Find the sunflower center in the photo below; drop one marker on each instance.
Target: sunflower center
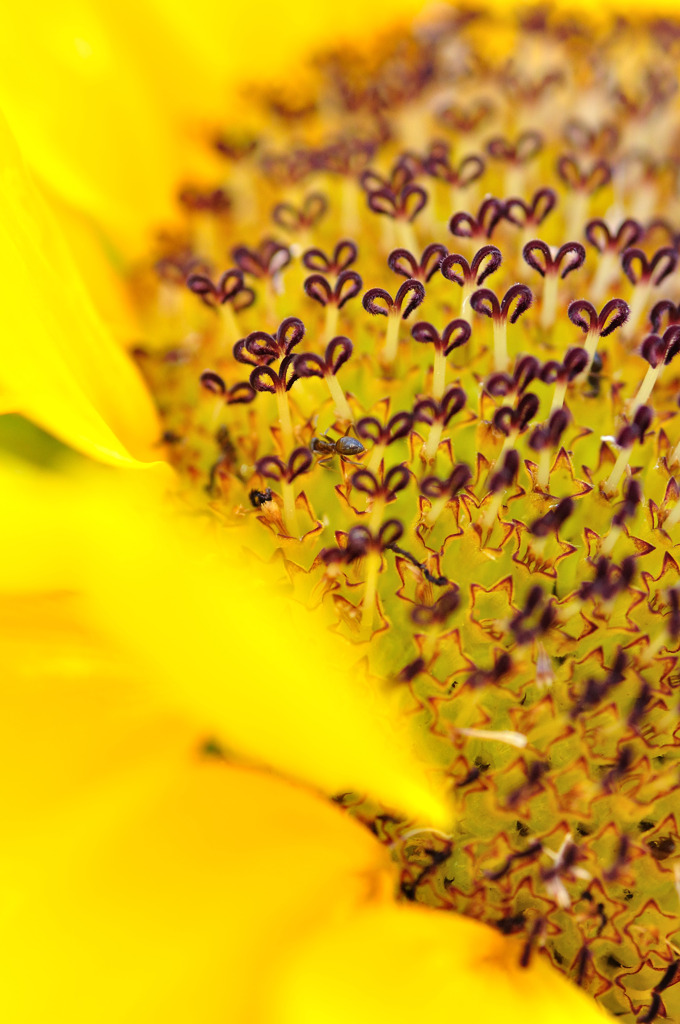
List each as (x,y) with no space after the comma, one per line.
(417,338)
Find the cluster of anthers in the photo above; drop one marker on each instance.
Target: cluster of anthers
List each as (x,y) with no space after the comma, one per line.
(419,340)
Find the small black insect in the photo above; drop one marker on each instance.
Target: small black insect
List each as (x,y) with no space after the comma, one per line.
(258,498)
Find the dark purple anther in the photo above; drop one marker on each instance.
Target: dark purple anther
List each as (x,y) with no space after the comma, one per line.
(612,316)
(515,421)
(581,964)
(241,394)
(344,255)
(260,348)
(573,364)
(266,261)
(640,705)
(652,1012)
(400,176)
(527,368)
(535,771)
(427,410)
(404,205)
(584,179)
(465,225)
(548,434)
(530,215)
(212,382)
(486,261)
(516,301)
(469,169)
(435,487)
(501,668)
(455,334)
(438,613)
(622,766)
(553,519)
(580,136)
(571,254)
(661,350)
(295,219)
(636,430)
(380,303)
(347,156)
(348,284)
(263,378)
(395,480)
(669,976)
(404,263)
(215,201)
(410,671)
(505,476)
(673,624)
(533,850)
(664,309)
(360,541)
(177,269)
(527,146)
(229,288)
(609,580)
(274,468)
(369,428)
(235,147)
(601,238)
(649,271)
(466,119)
(338,351)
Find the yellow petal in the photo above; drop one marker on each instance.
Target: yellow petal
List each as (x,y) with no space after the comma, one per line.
(207,629)
(408,963)
(74,92)
(108,101)
(101,271)
(140,882)
(58,365)
(271,41)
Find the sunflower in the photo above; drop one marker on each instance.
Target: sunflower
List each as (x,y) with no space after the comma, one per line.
(392,512)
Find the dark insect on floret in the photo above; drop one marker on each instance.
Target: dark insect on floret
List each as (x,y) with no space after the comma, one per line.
(343,446)
(258,498)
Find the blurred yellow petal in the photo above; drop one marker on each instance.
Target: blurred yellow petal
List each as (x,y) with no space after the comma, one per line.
(267,42)
(140,881)
(74,92)
(207,629)
(100,269)
(409,963)
(104,99)
(59,366)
